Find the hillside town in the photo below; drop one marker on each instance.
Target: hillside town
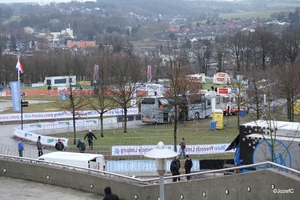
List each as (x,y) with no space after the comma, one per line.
(205,41)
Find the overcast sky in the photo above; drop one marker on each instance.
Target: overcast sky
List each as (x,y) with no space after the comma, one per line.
(36,1)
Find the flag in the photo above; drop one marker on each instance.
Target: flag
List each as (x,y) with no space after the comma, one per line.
(19,67)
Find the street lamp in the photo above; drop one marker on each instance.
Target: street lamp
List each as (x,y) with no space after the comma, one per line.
(160,154)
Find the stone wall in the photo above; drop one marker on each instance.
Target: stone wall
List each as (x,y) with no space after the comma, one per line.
(251,185)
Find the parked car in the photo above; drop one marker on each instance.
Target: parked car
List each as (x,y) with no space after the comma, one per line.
(233,109)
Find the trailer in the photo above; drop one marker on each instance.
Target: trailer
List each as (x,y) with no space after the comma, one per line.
(86,160)
(263,140)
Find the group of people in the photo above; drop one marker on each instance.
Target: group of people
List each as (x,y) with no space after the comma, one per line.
(59,146)
(175,164)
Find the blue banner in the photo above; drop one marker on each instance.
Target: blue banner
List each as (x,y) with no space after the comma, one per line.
(63,96)
(15,95)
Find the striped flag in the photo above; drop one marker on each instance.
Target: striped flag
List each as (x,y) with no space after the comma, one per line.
(19,67)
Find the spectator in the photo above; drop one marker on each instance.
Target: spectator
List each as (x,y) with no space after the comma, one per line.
(182,147)
(90,135)
(174,168)
(20,147)
(109,195)
(188,166)
(80,145)
(39,146)
(59,146)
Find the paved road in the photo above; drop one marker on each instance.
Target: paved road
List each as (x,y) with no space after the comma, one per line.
(17,189)
(11,189)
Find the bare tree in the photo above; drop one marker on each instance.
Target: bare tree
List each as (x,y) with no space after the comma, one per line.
(256,91)
(239,89)
(204,53)
(220,58)
(286,79)
(238,46)
(291,40)
(101,100)
(265,41)
(75,104)
(176,71)
(125,74)
(7,67)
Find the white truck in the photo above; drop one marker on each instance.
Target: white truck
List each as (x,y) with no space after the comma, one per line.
(86,160)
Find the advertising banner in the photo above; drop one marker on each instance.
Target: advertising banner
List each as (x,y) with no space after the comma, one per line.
(15,95)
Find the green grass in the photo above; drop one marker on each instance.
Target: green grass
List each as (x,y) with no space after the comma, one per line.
(195,132)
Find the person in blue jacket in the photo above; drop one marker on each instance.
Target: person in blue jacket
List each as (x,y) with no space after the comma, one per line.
(20,147)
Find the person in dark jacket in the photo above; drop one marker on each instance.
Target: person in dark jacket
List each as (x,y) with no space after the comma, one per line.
(188,166)
(90,135)
(39,146)
(174,168)
(59,146)
(182,147)
(109,195)
(80,145)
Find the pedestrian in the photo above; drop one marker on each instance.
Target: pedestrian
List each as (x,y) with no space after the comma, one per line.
(182,148)
(188,166)
(39,146)
(20,147)
(109,195)
(174,168)
(90,135)
(80,145)
(59,146)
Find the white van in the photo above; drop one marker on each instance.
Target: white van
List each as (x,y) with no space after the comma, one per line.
(87,160)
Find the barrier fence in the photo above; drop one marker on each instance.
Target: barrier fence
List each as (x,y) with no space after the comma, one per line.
(112,126)
(31,150)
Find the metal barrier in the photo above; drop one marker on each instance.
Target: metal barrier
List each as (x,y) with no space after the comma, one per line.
(149,181)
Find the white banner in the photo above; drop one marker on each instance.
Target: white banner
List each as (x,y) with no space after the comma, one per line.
(45,140)
(190,149)
(64,115)
(60,124)
(135,166)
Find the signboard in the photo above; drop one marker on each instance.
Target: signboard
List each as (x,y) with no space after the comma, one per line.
(15,95)
(65,115)
(131,150)
(221,78)
(63,96)
(223,91)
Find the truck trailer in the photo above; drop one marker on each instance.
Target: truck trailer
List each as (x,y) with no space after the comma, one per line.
(263,140)
(86,160)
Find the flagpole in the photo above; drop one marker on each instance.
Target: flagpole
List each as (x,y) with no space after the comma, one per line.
(19,75)
(18,69)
